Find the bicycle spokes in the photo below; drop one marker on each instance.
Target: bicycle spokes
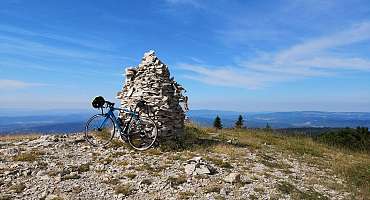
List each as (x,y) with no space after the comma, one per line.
(100,130)
(142,133)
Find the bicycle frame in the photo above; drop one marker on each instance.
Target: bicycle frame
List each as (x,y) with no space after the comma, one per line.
(118,123)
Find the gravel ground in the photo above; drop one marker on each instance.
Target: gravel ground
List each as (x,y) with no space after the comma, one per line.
(66,167)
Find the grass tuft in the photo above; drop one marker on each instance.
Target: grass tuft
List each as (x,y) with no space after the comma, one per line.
(30,156)
(131,175)
(176,180)
(213,188)
(220,163)
(70,177)
(186,195)
(18,188)
(147,181)
(124,189)
(287,188)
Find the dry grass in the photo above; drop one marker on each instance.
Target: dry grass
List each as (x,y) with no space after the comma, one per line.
(130,175)
(18,188)
(153,152)
(112,181)
(57,198)
(122,163)
(213,188)
(288,188)
(186,195)
(117,154)
(70,176)
(83,168)
(219,162)
(30,156)
(232,151)
(42,165)
(144,167)
(125,189)
(147,181)
(19,137)
(106,160)
(353,166)
(117,143)
(176,180)
(178,156)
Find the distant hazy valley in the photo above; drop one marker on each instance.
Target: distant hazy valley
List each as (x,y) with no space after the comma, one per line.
(62,122)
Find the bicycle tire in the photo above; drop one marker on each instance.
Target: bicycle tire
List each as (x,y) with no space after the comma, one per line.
(140,128)
(96,135)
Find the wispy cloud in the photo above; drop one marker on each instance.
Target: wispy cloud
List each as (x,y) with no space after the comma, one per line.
(229,76)
(6,84)
(316,55)
(87,41)
(18,45)
(321,56)
(40,47)
(194,3)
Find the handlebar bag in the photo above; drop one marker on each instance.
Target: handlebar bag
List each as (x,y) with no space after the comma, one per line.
(98,102)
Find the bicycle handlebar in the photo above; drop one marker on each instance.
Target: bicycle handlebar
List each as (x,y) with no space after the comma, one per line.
(140,104)
(109,104)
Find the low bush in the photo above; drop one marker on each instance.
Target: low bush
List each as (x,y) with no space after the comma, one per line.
(354,139)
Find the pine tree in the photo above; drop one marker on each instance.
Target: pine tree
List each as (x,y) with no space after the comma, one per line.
(240,122)
(268,127)
(217,123)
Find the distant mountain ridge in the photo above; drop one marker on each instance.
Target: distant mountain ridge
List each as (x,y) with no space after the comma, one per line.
(292,119)
(62,122)
(52,123)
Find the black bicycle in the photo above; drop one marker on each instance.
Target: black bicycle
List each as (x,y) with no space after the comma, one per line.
(140,131)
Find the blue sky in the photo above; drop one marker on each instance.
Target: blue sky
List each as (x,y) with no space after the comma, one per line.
(229,55)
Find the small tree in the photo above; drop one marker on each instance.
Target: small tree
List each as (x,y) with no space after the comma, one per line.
(217,123)
(240,122)
(268,127)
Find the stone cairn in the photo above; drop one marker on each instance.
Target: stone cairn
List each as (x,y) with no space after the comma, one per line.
(151,81)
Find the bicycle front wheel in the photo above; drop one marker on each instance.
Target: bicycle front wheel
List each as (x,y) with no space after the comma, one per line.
(142,133)
(99,130)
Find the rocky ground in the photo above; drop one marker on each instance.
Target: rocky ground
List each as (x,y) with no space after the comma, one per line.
(66,167)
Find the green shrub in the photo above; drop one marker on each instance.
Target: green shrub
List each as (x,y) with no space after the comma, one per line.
(354,139)
(193,136)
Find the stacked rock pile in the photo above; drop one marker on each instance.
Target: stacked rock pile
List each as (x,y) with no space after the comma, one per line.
(151,81)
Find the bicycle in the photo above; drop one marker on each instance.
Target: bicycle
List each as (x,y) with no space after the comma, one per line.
(138,130)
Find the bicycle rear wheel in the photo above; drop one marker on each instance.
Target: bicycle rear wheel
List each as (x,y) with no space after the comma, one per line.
(99,130)
(142,133)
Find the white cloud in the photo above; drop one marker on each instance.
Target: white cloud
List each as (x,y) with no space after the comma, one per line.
(310,58)
(6,84)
